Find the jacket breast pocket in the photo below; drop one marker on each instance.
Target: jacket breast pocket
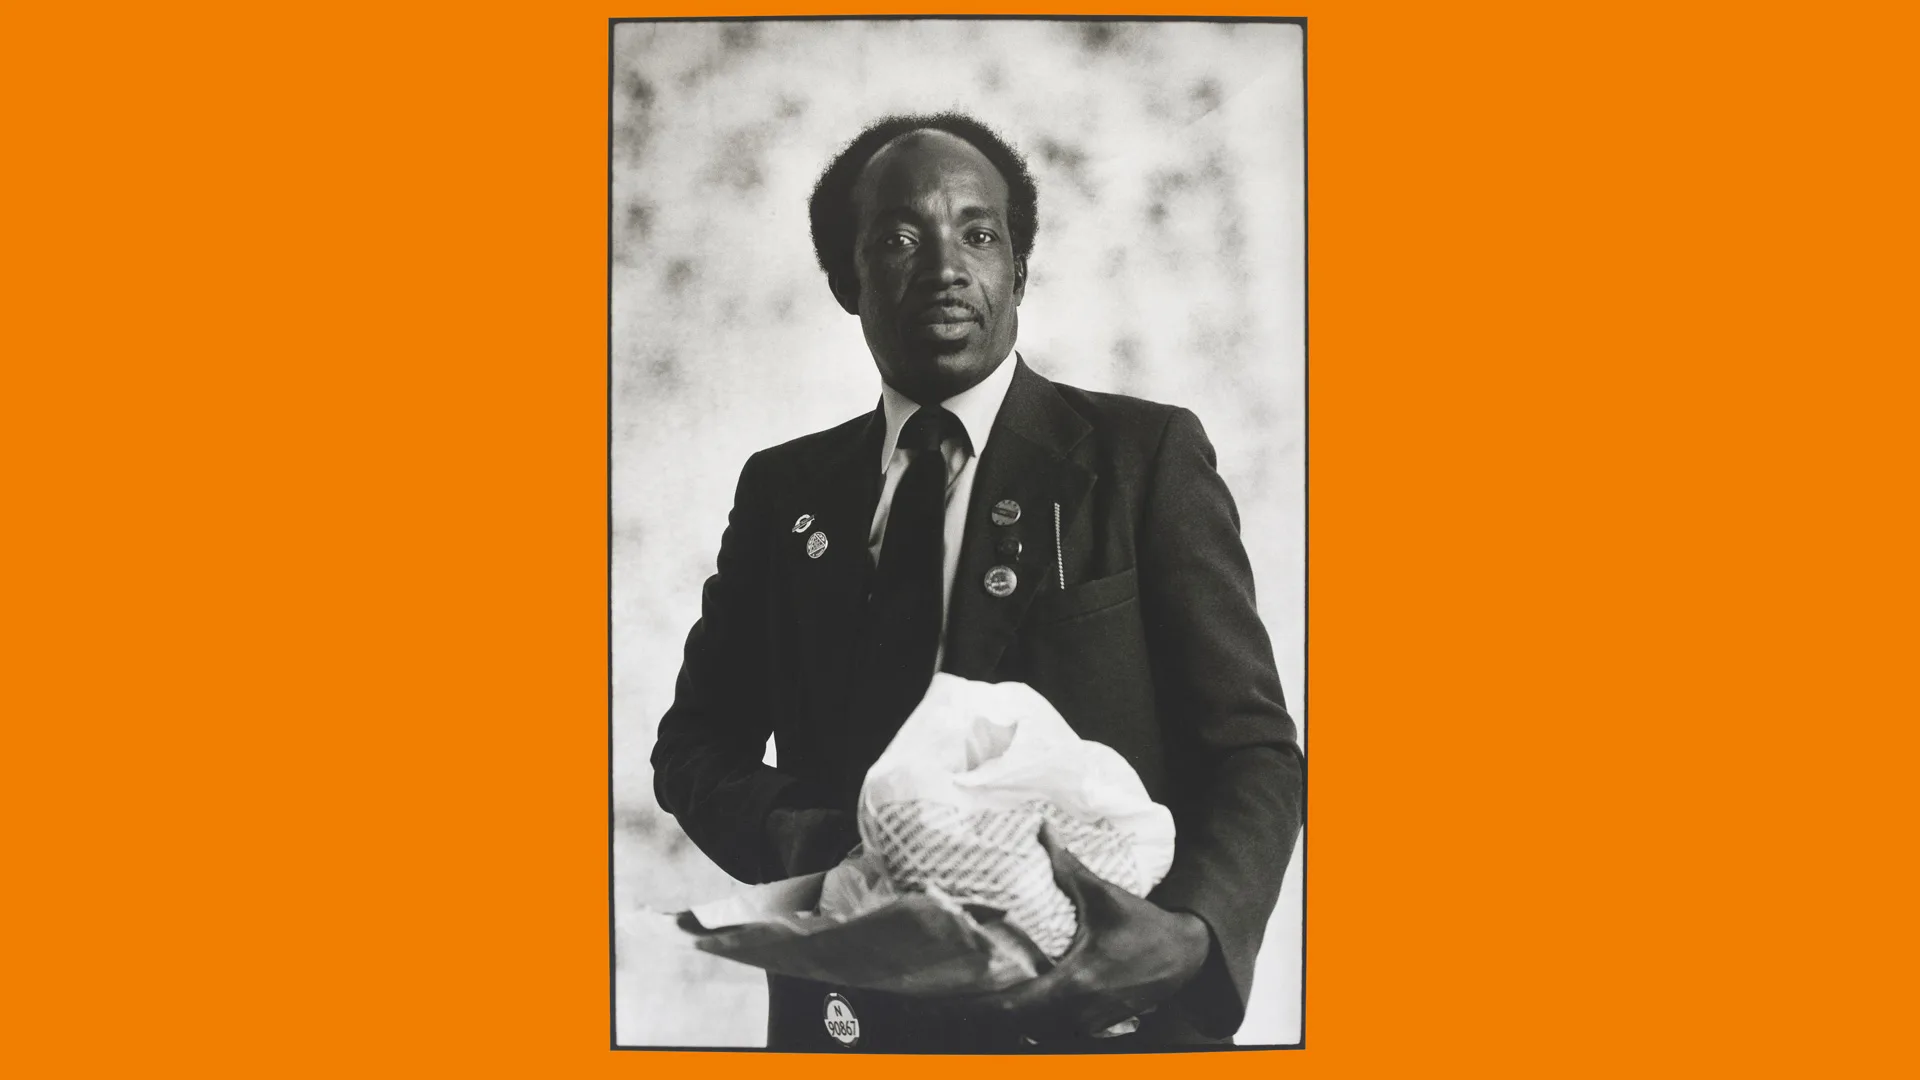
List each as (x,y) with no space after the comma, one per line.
(1085,650)
(1086,598)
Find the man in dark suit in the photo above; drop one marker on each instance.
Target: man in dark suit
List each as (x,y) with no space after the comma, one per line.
(987,522)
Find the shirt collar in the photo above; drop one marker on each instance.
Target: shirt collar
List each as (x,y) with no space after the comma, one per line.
(977,406)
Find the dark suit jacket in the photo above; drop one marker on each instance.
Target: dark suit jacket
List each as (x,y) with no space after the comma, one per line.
(1153,647)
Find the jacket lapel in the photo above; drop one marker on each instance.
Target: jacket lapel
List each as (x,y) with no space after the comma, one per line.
(1029,462)
(830,592)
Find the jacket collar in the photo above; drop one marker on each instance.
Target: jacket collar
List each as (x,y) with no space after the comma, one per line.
(1035,412)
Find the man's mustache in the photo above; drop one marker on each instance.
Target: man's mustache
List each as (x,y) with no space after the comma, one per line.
(948,304)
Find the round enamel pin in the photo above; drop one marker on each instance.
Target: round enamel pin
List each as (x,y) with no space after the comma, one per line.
(816,545)
(801,525)
(1006,512)
(1001,581)
(842,1025)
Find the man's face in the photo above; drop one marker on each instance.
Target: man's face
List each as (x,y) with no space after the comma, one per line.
(938,286)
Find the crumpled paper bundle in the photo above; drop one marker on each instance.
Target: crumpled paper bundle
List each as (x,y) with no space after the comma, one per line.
(951,890)
(958,799)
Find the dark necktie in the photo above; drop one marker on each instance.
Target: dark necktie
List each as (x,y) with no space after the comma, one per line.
(904,612)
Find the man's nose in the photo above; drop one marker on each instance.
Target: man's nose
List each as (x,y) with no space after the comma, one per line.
(945,262)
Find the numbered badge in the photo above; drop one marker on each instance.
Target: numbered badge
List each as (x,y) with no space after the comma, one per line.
(842,1025)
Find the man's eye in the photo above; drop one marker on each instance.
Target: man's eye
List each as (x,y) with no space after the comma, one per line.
(896,240)
(981,236)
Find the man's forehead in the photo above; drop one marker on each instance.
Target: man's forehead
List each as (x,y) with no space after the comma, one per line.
(929,157)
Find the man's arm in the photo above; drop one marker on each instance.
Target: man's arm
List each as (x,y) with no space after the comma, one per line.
(708,762)
(1234,762)
(1235,775)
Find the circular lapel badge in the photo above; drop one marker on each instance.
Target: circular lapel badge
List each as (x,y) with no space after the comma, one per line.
(1006,512)
(842,1025)
(816,545)
(1001,581)
(801,525)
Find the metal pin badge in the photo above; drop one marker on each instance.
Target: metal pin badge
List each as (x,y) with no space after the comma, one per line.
(842,1025)
(816,545)
(1006,512)
(1001,581)
(1008,547)
(801,525)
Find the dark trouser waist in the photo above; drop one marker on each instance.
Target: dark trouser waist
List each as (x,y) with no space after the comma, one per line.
(797,1015)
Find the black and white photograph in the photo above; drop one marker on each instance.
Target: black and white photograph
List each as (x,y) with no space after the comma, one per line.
(629,545)
(957,524)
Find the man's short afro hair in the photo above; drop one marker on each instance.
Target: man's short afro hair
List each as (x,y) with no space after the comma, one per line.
(831,208)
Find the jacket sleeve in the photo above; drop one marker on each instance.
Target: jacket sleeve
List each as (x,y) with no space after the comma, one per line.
(708,760)
(1238,774)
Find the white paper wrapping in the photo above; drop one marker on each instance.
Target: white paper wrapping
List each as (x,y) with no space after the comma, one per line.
(957,801)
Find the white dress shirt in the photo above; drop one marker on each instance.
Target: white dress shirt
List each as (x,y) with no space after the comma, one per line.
(976,409)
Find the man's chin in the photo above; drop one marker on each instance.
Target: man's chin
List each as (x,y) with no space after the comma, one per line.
(931,374)
(934,352)
(943,348)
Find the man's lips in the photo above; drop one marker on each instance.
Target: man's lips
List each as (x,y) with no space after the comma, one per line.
(947,313)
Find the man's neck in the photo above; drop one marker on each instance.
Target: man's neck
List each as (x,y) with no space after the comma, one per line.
(977,407)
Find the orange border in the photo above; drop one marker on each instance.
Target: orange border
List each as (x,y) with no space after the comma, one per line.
(1613,576)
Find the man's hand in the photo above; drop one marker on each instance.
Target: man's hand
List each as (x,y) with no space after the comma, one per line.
(1129,956)
(811,840)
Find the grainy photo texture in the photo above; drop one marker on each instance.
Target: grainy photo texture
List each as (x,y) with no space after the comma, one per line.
(1015,394)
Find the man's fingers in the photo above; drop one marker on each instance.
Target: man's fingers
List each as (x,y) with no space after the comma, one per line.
(1095,899)
(1057,850)
(1072,999)
(1068,871)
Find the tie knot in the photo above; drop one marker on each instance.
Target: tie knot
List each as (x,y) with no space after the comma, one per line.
(928,427)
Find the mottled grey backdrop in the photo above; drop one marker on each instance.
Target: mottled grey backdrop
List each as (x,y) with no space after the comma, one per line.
(1169,264)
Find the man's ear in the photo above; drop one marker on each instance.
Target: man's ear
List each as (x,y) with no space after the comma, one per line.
(846,289)
(1019,281)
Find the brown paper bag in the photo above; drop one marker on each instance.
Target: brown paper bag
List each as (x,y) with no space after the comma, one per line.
(922,944)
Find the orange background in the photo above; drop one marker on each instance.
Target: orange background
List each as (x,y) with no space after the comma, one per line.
(1613,537)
